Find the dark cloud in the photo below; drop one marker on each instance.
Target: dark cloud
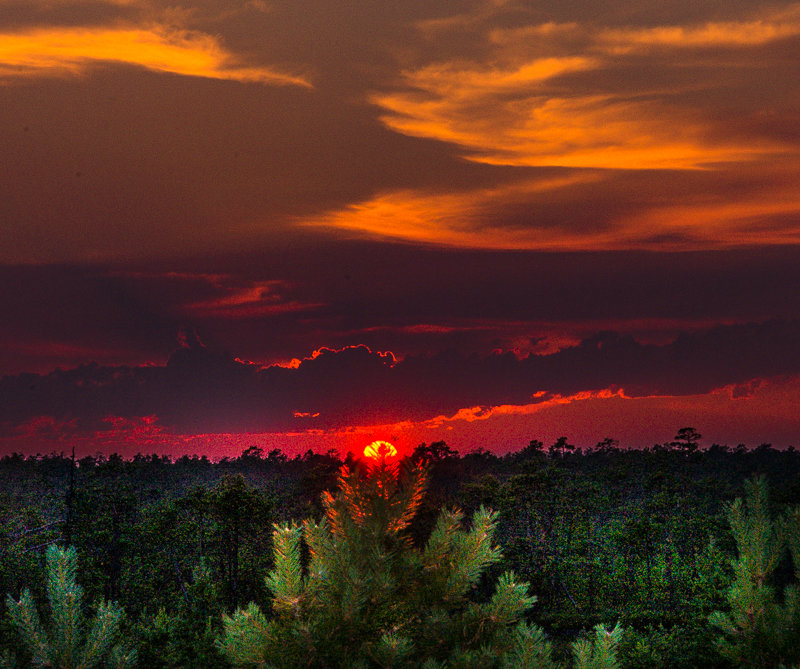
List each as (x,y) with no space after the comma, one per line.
(202,390)
(295,297)
(20,14)
(131,164)
(58,315)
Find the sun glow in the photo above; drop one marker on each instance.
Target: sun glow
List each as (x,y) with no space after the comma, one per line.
(379,450)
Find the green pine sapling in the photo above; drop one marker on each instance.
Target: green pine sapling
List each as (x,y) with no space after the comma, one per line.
(762,629)
(68,642)
(366,597)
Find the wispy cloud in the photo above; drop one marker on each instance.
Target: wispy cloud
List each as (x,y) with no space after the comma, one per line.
(709,35)
(597,131)
(716,213)
(458,218)
(573,95)
(258,299)
(72,51)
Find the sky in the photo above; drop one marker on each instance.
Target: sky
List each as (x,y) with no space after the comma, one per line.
(311,224)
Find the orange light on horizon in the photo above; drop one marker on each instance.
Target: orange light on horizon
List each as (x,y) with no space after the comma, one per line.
(379,450)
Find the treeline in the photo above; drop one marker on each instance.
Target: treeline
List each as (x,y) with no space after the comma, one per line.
(604,535)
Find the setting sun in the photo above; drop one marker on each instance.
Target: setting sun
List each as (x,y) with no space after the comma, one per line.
(380,449)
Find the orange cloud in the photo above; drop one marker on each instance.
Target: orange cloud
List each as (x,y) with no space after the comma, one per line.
(728,34)
(721,218)
(456,78)
(529,102)
(294,363)
(537,129)
(763,29)
(480,413)
(575,95)
(455,219)
(763,411)
(71,51)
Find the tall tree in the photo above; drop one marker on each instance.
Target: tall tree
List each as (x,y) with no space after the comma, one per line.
(686,440)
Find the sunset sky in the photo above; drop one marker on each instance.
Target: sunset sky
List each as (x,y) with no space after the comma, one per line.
(313,223)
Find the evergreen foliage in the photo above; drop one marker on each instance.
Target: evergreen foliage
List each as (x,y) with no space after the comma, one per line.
(600,534)
(185,637)
(71,642)
(762,629)
(367,597)
(600,654)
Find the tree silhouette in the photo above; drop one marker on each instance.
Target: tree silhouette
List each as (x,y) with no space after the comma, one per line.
(686,440)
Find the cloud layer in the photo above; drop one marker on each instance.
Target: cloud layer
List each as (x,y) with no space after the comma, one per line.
(164,132)
(200,390)
(485,188)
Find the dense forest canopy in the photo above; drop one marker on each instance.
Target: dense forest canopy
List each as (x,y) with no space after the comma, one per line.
(642,538)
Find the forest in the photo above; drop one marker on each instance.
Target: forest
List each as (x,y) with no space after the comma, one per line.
(669,556)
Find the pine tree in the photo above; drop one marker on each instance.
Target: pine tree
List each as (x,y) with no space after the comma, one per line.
(762,629)
(366,597)
(69,643)
(601,653)
(186,636)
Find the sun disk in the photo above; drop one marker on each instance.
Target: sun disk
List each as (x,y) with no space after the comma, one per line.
(380,449)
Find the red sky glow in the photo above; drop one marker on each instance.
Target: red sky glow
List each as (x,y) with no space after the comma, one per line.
(318,225)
